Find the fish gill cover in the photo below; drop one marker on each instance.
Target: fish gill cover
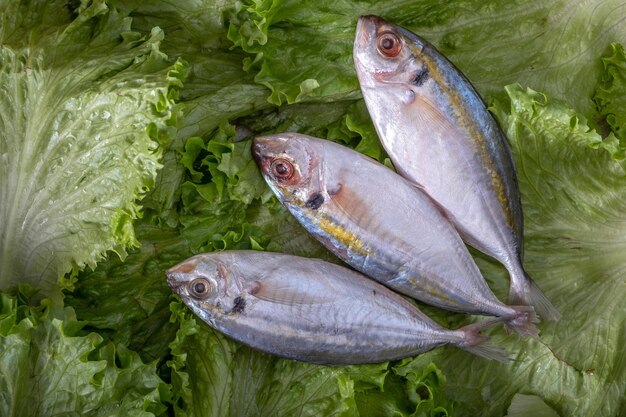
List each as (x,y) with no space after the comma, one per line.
(179,184)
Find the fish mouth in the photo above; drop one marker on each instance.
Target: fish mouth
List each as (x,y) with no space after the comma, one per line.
(171,280)
(363,30)
(371,19)
(367,27)
(174,273)
(259,146)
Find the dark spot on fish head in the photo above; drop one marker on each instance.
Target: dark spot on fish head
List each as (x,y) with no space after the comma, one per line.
(315,201)
(239,305)
(374,292)
(420,77)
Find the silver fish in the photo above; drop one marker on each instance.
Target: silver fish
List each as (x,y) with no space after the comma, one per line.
(380,224)
(311,310)
(439,135)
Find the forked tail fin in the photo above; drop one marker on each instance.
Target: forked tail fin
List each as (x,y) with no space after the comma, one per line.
(532,295)
(523,322)
(473,342)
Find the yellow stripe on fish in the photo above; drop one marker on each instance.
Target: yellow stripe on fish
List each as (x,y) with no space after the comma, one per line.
(464,120)
(341,234)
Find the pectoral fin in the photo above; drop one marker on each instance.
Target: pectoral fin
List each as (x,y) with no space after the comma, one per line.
(431,115)
(290,293)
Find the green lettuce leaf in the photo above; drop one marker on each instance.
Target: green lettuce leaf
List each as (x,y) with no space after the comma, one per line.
(303,50)
(529,405)
(227,205)
(573,195)
(84,102)
(216,86)
(127,301)
(407,392)
(610,96)
(50,367)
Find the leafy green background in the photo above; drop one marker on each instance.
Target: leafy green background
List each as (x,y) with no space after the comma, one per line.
(167,173)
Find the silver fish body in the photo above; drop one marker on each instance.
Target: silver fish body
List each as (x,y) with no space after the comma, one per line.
(310,310)
(439,135)
(380,224)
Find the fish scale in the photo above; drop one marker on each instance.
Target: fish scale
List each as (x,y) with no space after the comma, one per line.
(426,260)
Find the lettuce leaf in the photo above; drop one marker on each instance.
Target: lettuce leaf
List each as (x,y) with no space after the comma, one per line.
(216,86)
(127,301)
(84,102)
(303,50)
(526,405)
(610,95)
(50,367)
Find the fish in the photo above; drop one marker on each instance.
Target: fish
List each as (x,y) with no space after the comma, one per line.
(312,310)
(439,135)
(380,224)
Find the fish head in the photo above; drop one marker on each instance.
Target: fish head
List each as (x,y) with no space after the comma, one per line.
(388,57)
(207,284)
(289,163)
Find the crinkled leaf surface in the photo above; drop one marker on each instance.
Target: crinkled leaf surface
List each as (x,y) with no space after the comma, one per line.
(610,96)
(128,301)
(216,86)
(81,104)
(303,49)
(49,367)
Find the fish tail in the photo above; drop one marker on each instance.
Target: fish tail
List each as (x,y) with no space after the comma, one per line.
(523,322)
(474,342)
(530,294)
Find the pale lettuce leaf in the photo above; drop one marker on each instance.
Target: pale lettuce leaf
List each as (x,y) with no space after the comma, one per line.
(529,405)
(83,105)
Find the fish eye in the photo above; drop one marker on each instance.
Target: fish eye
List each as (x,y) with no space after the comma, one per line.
(200,288)
(282,169)
(389,44)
